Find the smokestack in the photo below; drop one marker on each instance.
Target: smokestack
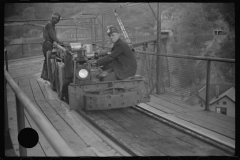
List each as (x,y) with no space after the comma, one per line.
(217,91)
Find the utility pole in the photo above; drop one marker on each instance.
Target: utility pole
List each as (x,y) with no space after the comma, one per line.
(158,62)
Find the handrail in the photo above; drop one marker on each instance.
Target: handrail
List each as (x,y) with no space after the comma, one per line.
(208,59)
(50,133)
(184,56)
(190,57)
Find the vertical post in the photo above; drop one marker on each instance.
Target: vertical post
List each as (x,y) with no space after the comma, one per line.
(22,49)
(95,26)
(158,84)
(103,35)
(76,34)
(20,123)
(208,85)
(91,30)
(6,127)
(6,59)
(74,71)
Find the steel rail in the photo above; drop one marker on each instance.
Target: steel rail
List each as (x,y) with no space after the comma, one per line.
(50,133)
(186,130)
(111,141)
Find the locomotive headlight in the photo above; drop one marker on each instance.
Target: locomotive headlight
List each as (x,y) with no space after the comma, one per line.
(82,73)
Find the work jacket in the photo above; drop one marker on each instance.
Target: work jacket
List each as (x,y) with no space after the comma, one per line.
(49,35)
(123,61)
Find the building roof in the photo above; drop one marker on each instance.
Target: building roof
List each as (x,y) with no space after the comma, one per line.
(200,90)
(230,93)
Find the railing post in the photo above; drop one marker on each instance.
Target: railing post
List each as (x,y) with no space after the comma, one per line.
(22,49)
(76,33)
(6,127)
(91,30)
(20,123)
(158,58)
(103,35)
(95,28)
(6,58)
(208,85)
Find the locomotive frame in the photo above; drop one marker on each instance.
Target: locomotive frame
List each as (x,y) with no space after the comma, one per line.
(87,92)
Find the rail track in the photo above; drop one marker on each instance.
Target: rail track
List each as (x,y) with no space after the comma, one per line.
(135,132)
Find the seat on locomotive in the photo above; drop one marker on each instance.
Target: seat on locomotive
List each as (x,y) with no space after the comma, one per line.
(134,77)
(105,73)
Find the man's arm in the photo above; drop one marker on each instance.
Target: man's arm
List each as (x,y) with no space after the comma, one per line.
(116,51)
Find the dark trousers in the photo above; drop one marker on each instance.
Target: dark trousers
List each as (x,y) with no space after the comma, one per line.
(108,67)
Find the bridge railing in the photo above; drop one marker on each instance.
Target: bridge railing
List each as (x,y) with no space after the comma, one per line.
(23,102)
(35,48)
(183,74)
(178,72)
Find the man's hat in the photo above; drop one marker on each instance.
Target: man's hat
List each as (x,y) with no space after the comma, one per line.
(56,15)
(112,29)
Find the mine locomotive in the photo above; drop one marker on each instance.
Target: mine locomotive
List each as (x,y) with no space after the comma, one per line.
(76,80)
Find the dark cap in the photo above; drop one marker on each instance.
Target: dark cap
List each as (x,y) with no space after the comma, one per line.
(112,29)
(56,15)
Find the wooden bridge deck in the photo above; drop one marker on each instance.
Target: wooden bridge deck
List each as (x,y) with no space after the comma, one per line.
(85,142)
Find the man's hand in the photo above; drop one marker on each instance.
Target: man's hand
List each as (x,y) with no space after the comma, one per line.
(61,43)
(93,62)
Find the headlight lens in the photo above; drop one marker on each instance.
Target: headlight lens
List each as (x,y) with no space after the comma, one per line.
(83,73)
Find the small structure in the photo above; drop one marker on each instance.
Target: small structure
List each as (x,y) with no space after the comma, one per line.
(224,103)
(221,98)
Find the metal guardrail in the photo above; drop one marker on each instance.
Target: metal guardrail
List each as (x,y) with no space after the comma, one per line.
(137,41)
(23,102)
(208,59)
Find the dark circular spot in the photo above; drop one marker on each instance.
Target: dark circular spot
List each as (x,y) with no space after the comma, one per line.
(28,137)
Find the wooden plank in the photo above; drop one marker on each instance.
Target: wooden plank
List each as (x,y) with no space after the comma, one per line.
(48,150)
(166,104)
(206,125)
(219,116)
(73,140)
(25,65)
(160,107)
(201,118)
(211,114)
(198,146)
(122,135)
(35,151)
(212,120)
(23,73)
(166,145)
(195,128)
(178,102)
(95,143)
(31,76)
